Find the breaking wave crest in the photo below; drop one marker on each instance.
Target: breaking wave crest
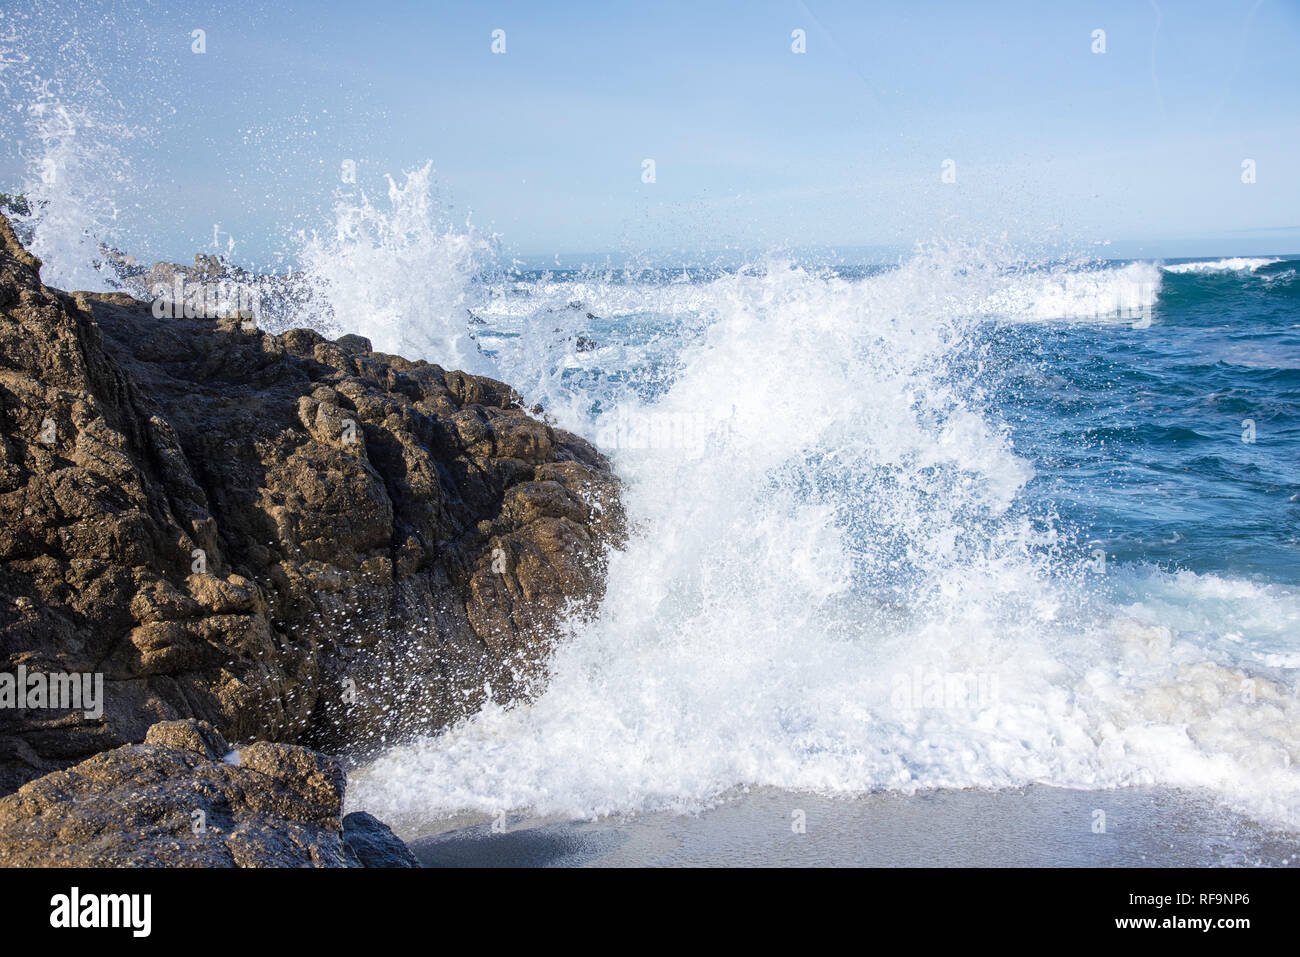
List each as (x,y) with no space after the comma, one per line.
(836,585)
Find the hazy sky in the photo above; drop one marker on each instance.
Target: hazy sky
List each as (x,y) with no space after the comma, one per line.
(753,145)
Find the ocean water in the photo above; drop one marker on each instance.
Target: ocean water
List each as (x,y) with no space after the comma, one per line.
(1012,827)
(974,521)
(968,520)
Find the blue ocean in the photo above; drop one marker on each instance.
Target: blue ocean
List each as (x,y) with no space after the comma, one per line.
(969,521)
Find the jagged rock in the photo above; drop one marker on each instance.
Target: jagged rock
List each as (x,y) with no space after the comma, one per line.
(373,843)
(293,539)
(180,800)
(197,736)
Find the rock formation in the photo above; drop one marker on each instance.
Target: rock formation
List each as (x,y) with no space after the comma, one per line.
(293,539)
(184,799)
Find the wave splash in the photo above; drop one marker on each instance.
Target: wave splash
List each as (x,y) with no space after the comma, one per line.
(75,171)
(833,586)
(398,275)
(1234,264)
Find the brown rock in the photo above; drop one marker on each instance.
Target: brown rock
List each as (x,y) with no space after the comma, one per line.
(179,800)
(288,538)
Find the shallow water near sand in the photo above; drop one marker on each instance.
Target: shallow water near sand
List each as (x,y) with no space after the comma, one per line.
(1022,827)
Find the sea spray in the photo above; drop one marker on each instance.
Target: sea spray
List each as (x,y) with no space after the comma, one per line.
(74,137)
(398,275)
(851,521)
(72,184)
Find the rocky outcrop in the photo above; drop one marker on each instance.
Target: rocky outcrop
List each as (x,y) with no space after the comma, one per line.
(373,844)
(185,799)
(293,539)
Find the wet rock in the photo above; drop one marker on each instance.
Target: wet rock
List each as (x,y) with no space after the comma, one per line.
(373,843)
(180,800)
(292,539)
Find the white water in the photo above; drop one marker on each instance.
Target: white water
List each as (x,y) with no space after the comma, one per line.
(70,180)
(1234,264)
(833,590)
(1068,292)
(395,274)
(70,135)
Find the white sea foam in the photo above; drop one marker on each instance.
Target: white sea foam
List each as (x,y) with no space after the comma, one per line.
(1234,264)
(835,591)
(1069,292)
(397,274)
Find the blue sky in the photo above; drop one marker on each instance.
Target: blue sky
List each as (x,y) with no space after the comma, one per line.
(754,146)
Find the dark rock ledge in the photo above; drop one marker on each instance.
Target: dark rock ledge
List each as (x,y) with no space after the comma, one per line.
(184,799)
(294,540)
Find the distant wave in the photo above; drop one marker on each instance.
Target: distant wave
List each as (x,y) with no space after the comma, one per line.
(1071,292)
(1233,264)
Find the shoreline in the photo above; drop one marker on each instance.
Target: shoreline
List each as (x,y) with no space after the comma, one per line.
(1036,826)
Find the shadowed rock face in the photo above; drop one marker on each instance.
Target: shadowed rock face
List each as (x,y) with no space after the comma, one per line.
(183,799)
(290,538)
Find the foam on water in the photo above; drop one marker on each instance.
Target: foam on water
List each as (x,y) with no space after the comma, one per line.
(836,588)
(1070,292)
(1234,264)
